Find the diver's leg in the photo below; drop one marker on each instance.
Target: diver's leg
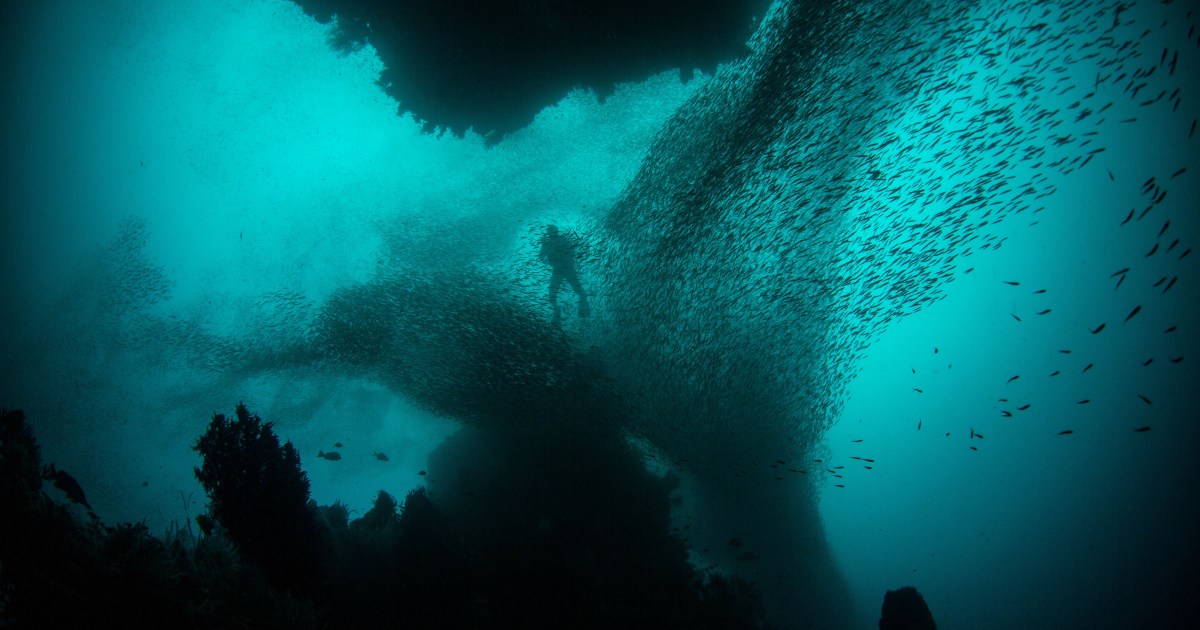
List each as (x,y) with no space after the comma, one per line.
(556,280)
(572,279)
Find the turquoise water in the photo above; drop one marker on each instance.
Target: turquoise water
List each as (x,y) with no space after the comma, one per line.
(786,257)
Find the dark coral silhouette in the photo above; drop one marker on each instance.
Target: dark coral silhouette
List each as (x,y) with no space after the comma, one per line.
(259,495)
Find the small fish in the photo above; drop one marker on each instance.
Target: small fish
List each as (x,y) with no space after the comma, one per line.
(919,424)
(331,456)
(1012,283)
(1039,291)
(1084,401)
(1088,367)
(1119,273)
(65,482)
(1170,284)
(1014,316)
(1177,360)
(974,448)
(1137,309)
(421,473)
(1164,228)
(381,456)
(1148,361)
(855,441)
(1171,329)
(1152,250)
(1014,378)
(1177,174)
(1142,429)
(1097,329)
(1066,432)
(337,445)
(917,390)
(1024,407)
(1045,312)
(1144,399)
(1130,216)
(1006,414)
(1064,351)
(1055,373)
(838,485)
(935,350)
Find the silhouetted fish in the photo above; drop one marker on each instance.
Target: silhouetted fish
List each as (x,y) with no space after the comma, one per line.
(1144,399)
(381,456)
(1097,329)
(67,484)
(1011,379)
(332,456)
(1142,429)
(1066,432)
(1137,309)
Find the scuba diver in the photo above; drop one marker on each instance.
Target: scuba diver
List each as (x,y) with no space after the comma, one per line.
(559,252)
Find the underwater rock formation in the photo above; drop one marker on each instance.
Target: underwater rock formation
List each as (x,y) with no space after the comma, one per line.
(492,65)
(575,535)
(905,609)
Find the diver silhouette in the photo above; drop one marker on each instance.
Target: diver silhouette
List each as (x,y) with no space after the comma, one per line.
(559,252)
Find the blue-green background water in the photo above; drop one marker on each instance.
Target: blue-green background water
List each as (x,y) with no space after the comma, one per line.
(260,172)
